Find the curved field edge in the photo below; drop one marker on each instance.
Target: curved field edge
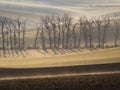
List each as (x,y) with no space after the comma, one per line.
(38,60)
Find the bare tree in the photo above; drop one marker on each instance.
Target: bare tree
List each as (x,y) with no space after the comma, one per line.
(106,27)
(23,26)
(15,38)
(85,31)
(52,21)
(90,27)
(37,34)
(45,22)
(98,24)
(59,25)
(2,23)
(7,41)
(74,35)
(63,31)
(19,33)
(67,24)
(80,32)
(117,27)
(9,28)
(43,38)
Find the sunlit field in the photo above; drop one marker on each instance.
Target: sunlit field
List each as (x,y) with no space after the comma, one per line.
(37,59)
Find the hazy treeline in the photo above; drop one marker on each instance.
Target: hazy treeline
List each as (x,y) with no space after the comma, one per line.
(59,32)
(64,32)
(12,36)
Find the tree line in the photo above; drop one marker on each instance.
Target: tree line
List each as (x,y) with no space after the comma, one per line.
(59,32)
(12,36)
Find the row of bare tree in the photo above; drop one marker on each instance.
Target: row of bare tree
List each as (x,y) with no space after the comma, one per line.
(12,36)
(59,32)
(64,32)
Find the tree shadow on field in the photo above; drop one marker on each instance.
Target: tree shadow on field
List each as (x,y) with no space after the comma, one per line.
(26,52)
(43,51)
(55,51)
(75,50)
(61,51)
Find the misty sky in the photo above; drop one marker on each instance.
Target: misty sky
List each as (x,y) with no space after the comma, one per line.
(76,8)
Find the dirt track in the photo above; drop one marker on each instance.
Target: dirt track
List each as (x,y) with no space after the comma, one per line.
(13,73)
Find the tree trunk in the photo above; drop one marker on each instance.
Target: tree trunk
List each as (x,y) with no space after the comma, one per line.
(116,38)
(67,38)
(3,40)
(99,34)
(43,39)
(59,38)
(7,41)
(15,41)
(50,39)
(55,46)
(19,41)
(36,38)
(79,40)
(90,37)
(11,41)
(74,36)
(104,38)
(63,39)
